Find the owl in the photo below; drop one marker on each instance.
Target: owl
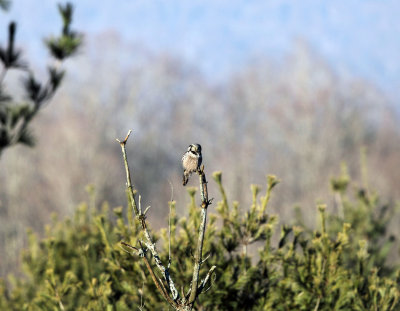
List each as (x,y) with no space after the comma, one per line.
(191,161)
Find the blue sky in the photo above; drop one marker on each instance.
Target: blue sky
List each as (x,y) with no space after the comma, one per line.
(360,37)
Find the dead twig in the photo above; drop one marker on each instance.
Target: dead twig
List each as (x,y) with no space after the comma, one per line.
(142,220)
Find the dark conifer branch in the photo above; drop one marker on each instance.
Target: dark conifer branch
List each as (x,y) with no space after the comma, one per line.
(5,4)
(15,116)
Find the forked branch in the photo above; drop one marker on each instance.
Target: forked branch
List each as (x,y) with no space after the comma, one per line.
(168,290)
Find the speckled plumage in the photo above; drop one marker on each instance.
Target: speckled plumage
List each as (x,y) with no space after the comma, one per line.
(191,161)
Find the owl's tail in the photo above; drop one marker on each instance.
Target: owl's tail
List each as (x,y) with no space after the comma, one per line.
(185,179)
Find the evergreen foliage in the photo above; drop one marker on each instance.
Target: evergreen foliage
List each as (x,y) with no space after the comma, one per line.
(370,219)
(80,264)
(5,4)
(15,116)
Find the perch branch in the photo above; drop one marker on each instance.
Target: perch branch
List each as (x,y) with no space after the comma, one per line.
(205,202)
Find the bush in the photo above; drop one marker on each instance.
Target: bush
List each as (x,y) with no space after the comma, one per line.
(80,265)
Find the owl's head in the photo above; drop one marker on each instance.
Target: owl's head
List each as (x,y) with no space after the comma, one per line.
(195,148)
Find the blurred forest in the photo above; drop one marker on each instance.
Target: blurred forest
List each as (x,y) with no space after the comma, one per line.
(295,118)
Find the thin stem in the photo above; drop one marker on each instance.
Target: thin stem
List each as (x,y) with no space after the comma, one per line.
(128,174)
(244,250)
(169,236)
(199,251)
(59,301)
(317,305)
(169,224)
(198,256)
(204,282)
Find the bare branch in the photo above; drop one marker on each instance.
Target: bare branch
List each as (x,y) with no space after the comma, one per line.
(175,301)
(126,138)
(129,246)
(128,174)
(169,237)
(204,282)
(150,244)
(205,259)
(140,205)
(145,211)
(205,202)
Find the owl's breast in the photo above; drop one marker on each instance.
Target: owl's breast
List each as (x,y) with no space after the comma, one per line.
(190,162)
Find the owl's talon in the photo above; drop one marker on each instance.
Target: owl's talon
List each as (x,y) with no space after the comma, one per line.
(142,217)
(200,170)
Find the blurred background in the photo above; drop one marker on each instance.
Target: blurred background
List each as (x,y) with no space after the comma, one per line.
(288,88)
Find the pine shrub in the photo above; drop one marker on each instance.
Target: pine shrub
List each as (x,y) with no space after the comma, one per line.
(80,264)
